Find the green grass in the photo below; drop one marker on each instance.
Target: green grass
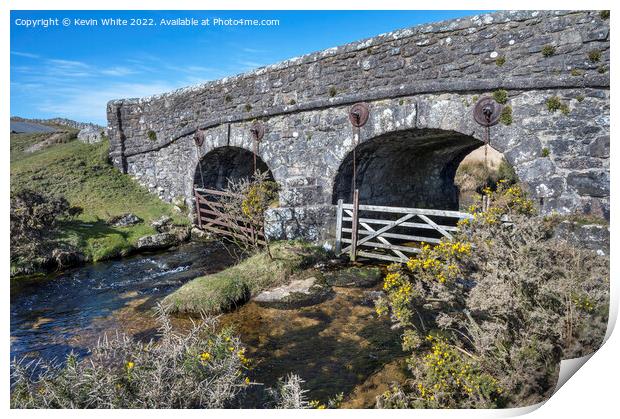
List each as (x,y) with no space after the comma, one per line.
(226,289)
(81,173)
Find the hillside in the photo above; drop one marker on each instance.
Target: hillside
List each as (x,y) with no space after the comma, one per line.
(62,123)
(81,173)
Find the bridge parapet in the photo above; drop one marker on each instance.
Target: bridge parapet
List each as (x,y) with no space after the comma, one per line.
(458,55)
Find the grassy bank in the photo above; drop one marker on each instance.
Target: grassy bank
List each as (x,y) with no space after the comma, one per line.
(81,173)
(223,290)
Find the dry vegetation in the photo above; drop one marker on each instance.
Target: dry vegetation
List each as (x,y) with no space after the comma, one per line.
(488,316)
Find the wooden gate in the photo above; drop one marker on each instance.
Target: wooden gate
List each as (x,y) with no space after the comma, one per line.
(390,233)
(211,217)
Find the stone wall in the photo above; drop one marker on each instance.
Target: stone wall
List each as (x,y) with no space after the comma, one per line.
(416,81)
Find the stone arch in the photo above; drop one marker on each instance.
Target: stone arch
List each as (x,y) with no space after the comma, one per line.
(410,168)
(220,164)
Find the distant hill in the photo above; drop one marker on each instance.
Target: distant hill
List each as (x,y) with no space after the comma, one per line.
(54,123)
(23,127)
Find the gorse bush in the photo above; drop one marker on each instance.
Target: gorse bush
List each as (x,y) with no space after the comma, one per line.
(488,315)
(203,368)
(34,218)
(289,394)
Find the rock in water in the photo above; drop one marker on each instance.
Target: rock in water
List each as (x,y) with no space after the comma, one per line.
(161,241)
(298,293)
(124,220)
(157,241)
(90,135)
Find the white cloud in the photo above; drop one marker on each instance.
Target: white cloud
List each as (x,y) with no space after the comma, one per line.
(118,71)
(67,63)
(254,50)
(24,54)
(89,105)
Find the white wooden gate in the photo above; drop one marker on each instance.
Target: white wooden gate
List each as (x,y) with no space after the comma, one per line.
(390,233)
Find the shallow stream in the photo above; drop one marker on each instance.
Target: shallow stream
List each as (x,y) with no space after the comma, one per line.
(337,346)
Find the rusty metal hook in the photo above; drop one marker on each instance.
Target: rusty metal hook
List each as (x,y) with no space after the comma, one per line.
(258,131)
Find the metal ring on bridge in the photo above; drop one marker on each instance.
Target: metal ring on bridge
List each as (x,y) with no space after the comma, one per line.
(358,114)
(199,137)
(487,111)
(258,131)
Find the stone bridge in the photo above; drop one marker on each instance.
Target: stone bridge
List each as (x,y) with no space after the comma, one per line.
(420,85)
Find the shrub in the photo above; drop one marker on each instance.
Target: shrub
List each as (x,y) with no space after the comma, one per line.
(494,310)
(505,117)
(500,61)
(289,394)
(553,104)
(500,96)
(247,200)
(576,72)
(604,14)
(152,135)
(200,369)
(506,173)
(474,176)
(594,56)
(545,152)
(332,91)
(548,50)
(34,219)
(205,367)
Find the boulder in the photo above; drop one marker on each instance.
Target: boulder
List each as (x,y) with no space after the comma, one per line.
(66,258)
(298,293)
(164,240)
(183,233)
(198,234)
(124,220)
(162,224)
(90,135)
(157,241)
(178,204)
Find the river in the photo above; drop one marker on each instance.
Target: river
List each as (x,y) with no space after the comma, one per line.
(337,346)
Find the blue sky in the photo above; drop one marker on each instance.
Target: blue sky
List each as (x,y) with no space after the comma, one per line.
(73,71)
